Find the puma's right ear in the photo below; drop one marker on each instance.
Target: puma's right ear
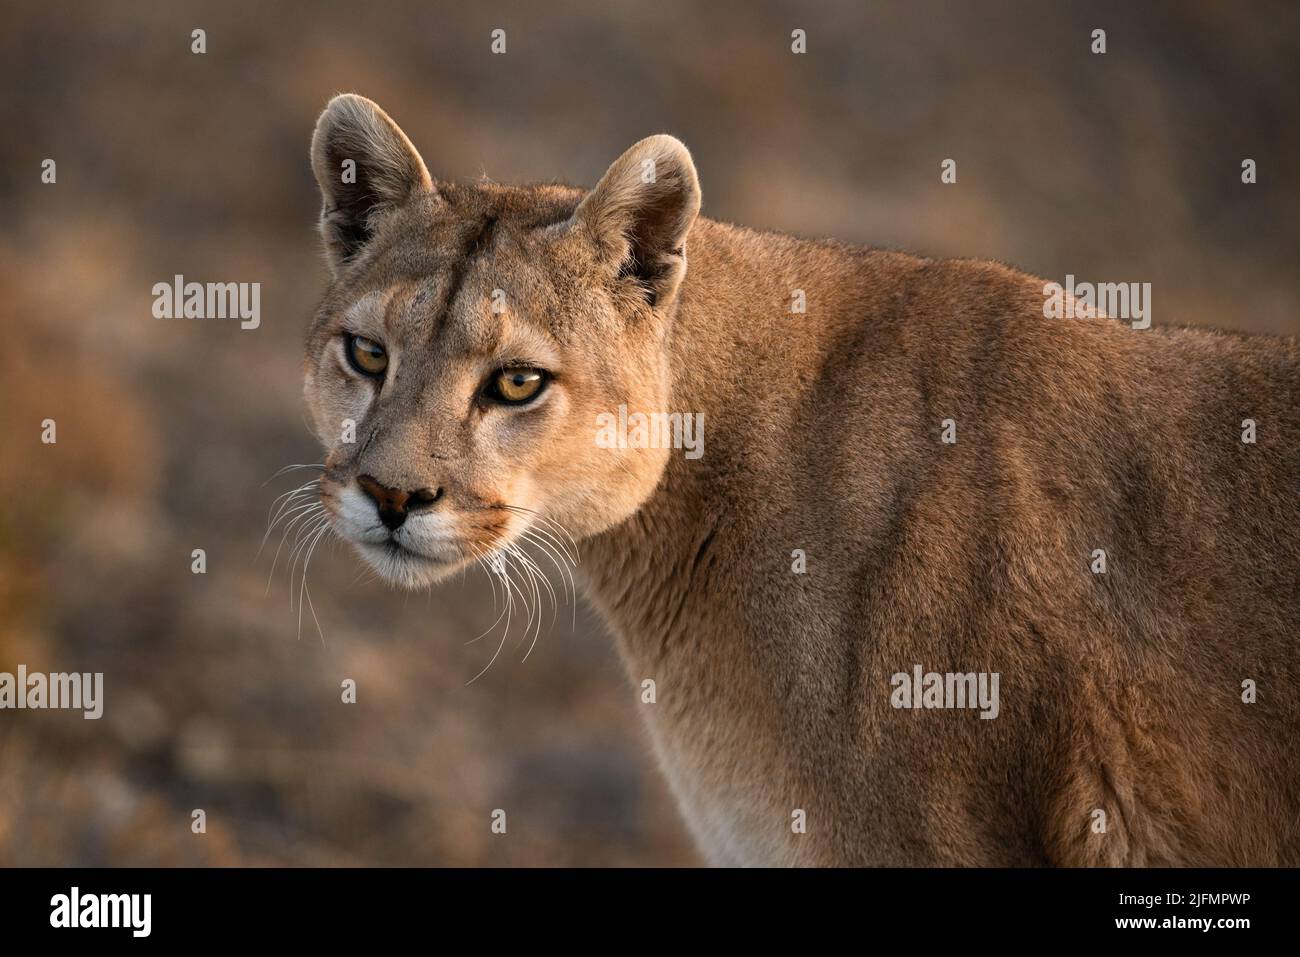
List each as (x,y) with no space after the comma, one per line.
(364,165)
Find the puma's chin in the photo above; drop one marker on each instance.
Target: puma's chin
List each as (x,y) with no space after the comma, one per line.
(401,566)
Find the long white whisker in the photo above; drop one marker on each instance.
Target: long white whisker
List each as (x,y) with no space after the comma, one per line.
(305,487)
(510,604)
(305,534)
(491,576)
(323,530)
(482,562)
(307,513)
(538,517)
(556,542)
(532,597)
(535,570)
(284,536)
(535,573)
(491,627)
(290,468)
(290,498)
(566,576)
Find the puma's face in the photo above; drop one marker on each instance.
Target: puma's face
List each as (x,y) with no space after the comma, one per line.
(472,335)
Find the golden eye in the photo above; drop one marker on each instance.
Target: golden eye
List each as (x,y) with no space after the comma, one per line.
(517,386)
(367,356)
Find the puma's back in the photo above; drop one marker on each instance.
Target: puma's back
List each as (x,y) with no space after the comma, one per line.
(911,474)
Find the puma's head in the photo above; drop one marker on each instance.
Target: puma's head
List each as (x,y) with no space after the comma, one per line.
(472,334)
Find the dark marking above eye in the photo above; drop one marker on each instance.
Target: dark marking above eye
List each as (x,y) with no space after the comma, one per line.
(475,247)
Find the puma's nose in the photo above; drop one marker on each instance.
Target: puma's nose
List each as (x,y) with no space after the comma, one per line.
(394,504)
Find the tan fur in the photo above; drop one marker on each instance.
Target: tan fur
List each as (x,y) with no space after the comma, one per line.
(1119,692)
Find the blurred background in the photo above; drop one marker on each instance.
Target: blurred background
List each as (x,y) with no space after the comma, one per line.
(1121,167)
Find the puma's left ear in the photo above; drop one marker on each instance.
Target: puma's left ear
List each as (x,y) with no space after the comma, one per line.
(640,212)
(364,165)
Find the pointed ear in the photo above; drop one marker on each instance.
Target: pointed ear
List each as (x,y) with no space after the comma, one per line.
(640,212)
(364,165)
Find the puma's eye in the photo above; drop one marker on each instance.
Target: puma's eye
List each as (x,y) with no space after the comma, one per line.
(517,386)
(367,356)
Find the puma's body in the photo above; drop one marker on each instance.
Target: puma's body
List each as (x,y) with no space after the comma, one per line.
(1120,692)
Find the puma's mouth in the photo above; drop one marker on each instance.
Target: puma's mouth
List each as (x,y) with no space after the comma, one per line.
(396,551)
(414,553)
(429,545)
(401,565)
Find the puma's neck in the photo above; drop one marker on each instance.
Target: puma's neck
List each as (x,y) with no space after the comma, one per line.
(745,359)
(721,344)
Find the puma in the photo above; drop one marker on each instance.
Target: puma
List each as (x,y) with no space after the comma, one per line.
(917,473)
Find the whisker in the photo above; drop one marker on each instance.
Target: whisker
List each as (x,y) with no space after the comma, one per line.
(290,468)
(307,513)
(533,597)
(490,628)
(538,517)
(301,513)
(525,577)
(482,563)
(292,492)
(535,573)
(503,572)
(566,574)
(303,590)
(304,537)
(536,577)
(556,559)
(282,503)
(539,534)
